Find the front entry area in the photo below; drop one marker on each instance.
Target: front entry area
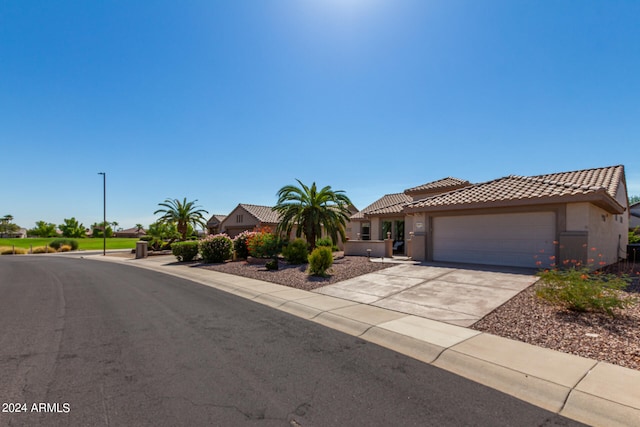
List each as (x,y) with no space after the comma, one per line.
(514,239)
(396,228)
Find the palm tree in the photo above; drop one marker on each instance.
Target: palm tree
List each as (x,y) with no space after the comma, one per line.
(182,213)
(311,210)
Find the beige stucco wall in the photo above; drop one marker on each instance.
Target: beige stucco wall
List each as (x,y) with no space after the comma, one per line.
(607,233)
(359,248)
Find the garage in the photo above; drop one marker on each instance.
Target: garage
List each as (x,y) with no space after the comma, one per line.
(513,239)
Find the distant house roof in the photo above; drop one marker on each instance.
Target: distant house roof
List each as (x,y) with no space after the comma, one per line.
(598,186)
(440,185)
(215,220)
(387,204)
(264,214)
(133,231)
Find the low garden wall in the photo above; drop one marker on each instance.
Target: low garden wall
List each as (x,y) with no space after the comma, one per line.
(359,247)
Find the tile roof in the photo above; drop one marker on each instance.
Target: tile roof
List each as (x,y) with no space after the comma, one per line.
(596,185)
(441,184)
(264,214)
(216,219)
(389,203)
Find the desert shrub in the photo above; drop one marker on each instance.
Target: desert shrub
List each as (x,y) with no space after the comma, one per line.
(240,244)
(263,244)
(56,243)
(43,250)
(296,252)
(185,251)
(216,248)
(8,250)
(320,261)
(272,265)
(326,241)
(582,290)
(65,248)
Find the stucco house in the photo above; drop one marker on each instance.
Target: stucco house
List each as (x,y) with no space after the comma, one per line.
(525,221)
(246,217)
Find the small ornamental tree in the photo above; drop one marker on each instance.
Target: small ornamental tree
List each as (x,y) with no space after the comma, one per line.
(216,248)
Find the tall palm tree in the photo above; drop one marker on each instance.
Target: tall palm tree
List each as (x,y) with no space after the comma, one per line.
(310,210)
(182,213)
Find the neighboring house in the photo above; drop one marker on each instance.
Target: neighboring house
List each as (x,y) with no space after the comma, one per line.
(247,217)
(213,225)
(634,215)
(526,221)
(131,232)
(21,233)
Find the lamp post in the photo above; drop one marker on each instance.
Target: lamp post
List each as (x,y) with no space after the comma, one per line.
(104,212)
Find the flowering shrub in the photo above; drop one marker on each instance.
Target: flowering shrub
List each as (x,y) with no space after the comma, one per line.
(574,285)
(240,244)
(185,251)
(263,244)
(320,261)
(579,289)
(216,248)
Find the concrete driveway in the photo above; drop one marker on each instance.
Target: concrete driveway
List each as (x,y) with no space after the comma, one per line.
(455,294)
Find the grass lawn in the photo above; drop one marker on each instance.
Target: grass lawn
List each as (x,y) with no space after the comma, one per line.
(87,243)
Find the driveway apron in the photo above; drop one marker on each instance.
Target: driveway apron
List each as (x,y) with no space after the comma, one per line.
(455,294)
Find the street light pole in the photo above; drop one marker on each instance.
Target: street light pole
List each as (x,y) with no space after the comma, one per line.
(104,212)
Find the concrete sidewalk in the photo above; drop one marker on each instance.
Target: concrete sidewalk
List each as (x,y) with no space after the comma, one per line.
(595,393)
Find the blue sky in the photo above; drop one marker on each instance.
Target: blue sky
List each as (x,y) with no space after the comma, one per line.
(228,101)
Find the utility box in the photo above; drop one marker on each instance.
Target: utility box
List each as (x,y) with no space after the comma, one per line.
(141,249)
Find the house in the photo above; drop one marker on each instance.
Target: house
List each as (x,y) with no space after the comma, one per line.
(213,225)
(386,215)
(246,217)
(524,221)
(634,216)
(132,232)
(20,233)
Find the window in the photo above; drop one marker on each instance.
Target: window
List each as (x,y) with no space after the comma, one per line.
(365,231)
(239,218)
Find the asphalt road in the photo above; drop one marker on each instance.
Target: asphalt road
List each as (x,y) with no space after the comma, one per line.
(109,344)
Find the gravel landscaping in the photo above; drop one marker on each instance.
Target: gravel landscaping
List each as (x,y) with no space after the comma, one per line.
(295,276)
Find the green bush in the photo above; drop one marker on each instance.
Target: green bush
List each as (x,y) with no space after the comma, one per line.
(272,265)
(320,261)
(326,241)
(296,252)
(263,245)
(56,243)
(634,236)
(216,248)
(582,290)
(185,251)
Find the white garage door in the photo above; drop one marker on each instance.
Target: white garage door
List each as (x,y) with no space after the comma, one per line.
(518,239)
